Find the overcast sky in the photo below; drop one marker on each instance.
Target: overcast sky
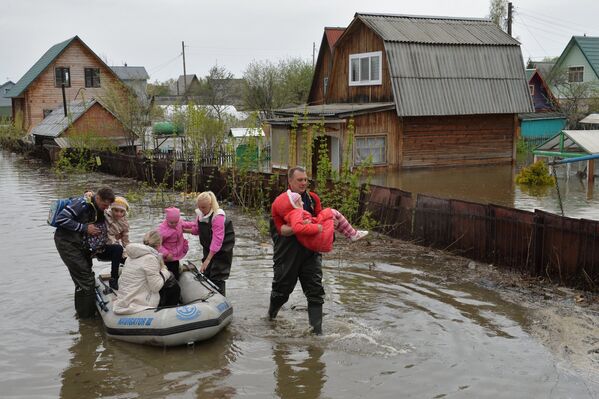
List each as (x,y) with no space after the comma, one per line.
(232,33)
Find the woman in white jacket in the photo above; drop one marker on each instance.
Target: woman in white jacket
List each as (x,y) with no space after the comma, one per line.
(141,284)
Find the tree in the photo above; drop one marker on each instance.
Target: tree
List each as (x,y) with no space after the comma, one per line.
(217,90)
(498,13)
(574,99)
(159,89)
(260,81)
(269,86)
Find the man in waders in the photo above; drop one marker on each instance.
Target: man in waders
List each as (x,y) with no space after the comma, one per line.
(291,260)
(74,221)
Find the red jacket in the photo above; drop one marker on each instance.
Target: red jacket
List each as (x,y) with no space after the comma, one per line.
(285,206)
(308,235)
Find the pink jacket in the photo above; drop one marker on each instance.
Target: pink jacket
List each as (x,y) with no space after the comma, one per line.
(218,228)
(173,242)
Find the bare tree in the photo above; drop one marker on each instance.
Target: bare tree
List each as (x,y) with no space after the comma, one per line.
(574,99)
(498,13)
(217,90)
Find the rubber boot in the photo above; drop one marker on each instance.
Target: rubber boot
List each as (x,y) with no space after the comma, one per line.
(114,283)
(85,303)
(315,318)
(275,305)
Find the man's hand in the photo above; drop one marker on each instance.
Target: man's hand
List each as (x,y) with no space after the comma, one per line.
(320,228)
(92,230)
(286,230)
(335,223)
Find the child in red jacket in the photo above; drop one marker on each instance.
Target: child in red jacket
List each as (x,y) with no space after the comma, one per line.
(317,233)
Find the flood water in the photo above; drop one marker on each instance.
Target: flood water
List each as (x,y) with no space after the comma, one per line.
(495,184)
(392,328)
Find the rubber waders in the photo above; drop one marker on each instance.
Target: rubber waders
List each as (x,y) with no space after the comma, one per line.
(315,318)
(85,303)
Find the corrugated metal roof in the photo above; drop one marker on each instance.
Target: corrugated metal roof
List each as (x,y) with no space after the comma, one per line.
(574,141)
(131,72)
(457,80)
(64,142)
(338,109)
(39,67)
(529,73)
(541,115)
(436,30)
(54,124)
(239,132)
(589,45)
(591,118)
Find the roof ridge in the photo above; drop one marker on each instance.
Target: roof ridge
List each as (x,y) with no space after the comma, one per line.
(413,16)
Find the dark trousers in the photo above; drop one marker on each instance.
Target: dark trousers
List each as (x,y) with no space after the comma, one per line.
(169,296)
(114,254)
(173,267)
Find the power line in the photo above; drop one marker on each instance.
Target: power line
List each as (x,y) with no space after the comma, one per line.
(551,20)
(164,65)
(533,36)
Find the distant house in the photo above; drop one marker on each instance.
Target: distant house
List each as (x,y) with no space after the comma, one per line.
(71,63)
(578,63)
(136,78)
(5,101)
(193,86)
(542,98)
(324,65)
(543,67)
(89,120)
(421,92)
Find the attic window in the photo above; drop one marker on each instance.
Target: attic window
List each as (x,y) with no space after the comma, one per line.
(365,69)
(92,77)
(531,88)
(575,74)
(62,75)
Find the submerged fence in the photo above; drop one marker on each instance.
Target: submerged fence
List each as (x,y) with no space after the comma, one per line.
(561,249)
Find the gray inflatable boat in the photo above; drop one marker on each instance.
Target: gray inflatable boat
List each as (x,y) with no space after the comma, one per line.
(204,312)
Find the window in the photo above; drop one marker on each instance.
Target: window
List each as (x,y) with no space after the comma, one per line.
(374,148)
(6,91)
(325,84)
(531,88)
(365,69)
(47,112)
(575,74)
(63,75)
(92,77)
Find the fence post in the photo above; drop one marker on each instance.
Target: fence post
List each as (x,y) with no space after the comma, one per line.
(538,240)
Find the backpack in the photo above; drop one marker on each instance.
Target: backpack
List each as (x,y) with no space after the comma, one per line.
(55,208)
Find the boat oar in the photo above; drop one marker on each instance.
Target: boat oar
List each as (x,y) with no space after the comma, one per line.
(200,275)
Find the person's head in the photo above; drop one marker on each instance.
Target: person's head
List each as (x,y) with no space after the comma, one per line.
(207,202)
(298,179)
(119,208)
(295,199)
(172,216)
(153,239)
(104,197)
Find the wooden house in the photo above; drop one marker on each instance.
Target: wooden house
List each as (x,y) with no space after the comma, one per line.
(419,91)
(71,63)
(188,85)
(324,65)
(82,121)
(578,63)
(135,78)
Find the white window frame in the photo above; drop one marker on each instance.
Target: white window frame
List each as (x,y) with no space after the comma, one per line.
(374,136)
(582,75)
(531,89)
(370,81)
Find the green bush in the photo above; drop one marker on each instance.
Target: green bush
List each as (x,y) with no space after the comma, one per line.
(536,174)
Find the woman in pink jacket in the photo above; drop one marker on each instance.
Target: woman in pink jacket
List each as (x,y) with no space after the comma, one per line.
(174,245)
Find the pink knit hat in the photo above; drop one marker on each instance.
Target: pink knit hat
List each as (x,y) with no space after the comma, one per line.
(293,198)
(172,214)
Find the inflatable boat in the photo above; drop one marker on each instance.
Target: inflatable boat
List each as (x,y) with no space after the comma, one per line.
(203,313)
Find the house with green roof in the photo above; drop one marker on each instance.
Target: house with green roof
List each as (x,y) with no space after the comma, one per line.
(71,64)
(578,63)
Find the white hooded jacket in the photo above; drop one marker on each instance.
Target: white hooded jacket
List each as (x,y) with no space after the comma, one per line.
(142,278)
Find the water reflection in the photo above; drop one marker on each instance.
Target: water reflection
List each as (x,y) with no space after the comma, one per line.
(102,367)
(300,372)
(494,184)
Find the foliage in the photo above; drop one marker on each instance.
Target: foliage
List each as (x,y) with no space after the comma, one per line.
(216,88)
(343,190)
(160,89)
(11,131)
(574,99)
(536,174)
(498,13)
(268,86)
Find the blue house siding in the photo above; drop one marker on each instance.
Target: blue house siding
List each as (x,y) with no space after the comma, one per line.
(537,128)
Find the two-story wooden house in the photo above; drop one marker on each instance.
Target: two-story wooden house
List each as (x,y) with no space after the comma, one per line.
(421,92)
(70,63)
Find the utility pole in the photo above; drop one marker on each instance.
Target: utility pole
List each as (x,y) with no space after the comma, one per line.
(510,9)
(185,73)
(313,53)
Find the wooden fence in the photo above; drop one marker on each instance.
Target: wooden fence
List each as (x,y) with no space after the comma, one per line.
(538,243)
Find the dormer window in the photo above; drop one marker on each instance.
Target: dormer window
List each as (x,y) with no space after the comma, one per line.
(365,69)
(575,74)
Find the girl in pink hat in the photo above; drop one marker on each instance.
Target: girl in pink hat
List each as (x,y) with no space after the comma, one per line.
(174,245)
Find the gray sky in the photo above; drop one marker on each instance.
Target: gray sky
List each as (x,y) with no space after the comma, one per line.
(232,33)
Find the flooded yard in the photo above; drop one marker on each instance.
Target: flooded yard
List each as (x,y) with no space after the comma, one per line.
(400,321)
